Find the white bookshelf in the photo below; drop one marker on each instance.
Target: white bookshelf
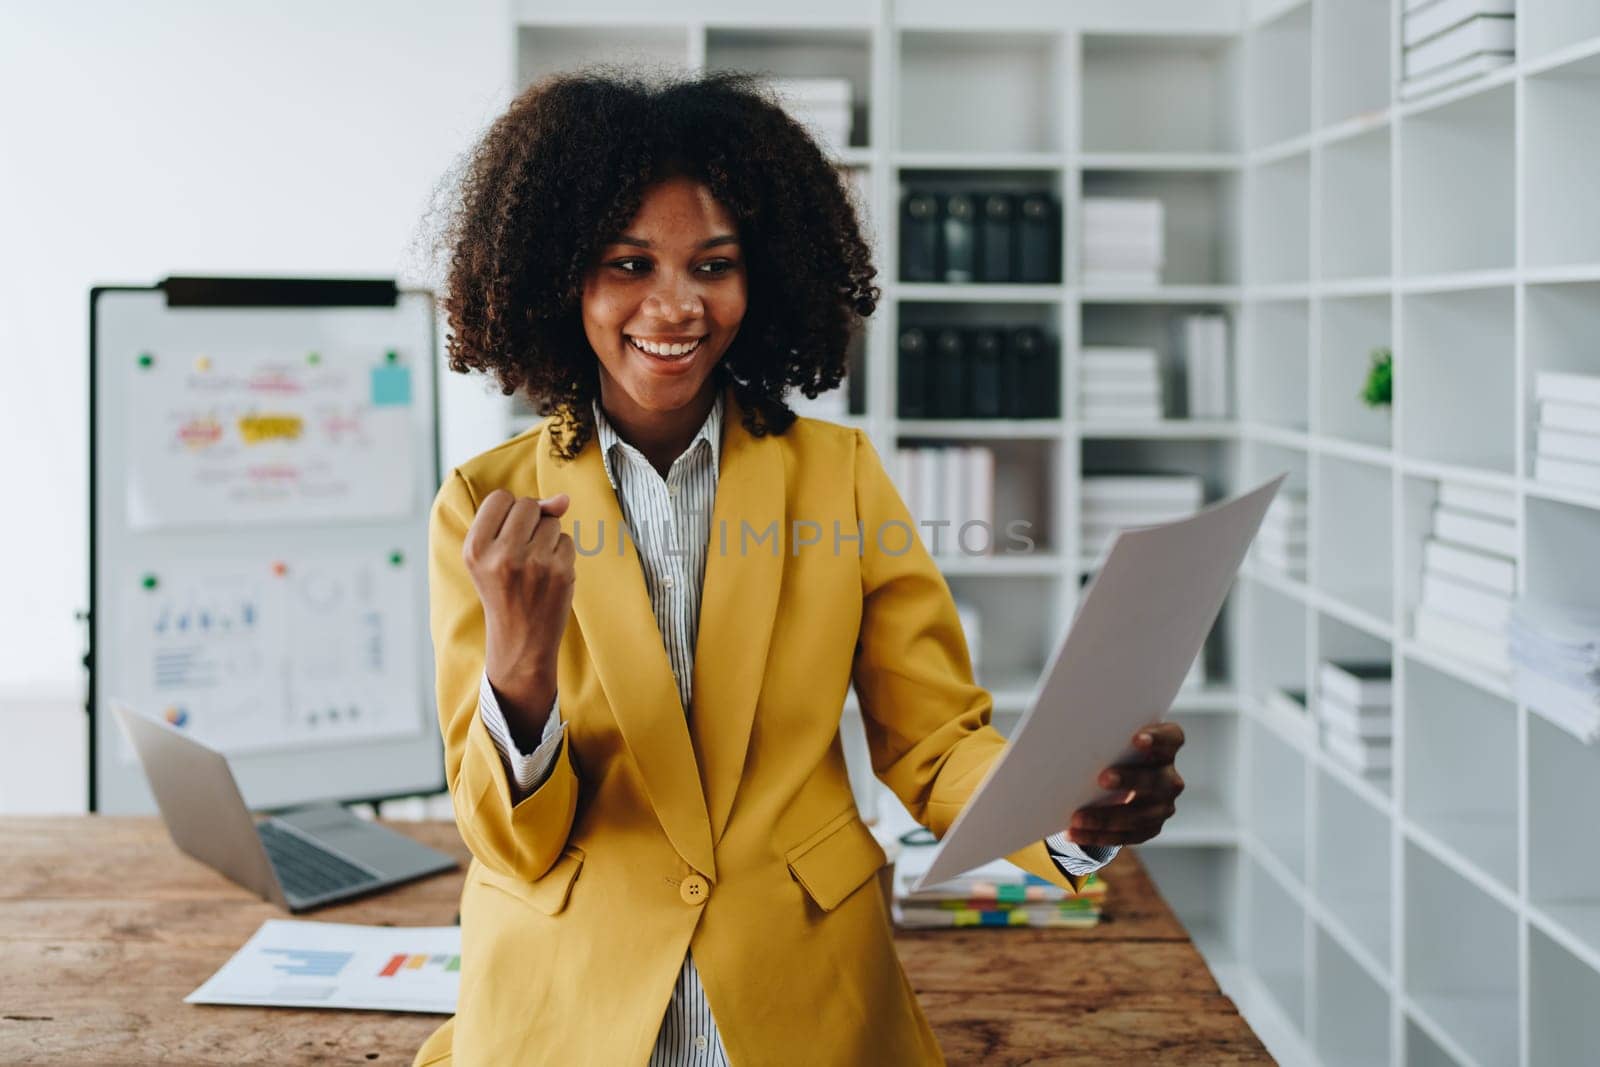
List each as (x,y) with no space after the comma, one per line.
(1449,914)
(1450,228)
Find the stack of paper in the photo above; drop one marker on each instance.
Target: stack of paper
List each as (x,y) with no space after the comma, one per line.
(1120,383)
(1449,41)
(821,105)
(996,894)
(949,491)
(1205,353)
(1117,502)
(1354,705)
(1555,653)
(1281,544)
(1123,241)
(1469,576)
(1569,430)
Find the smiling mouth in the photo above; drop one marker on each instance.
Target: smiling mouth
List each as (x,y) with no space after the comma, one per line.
(671,353)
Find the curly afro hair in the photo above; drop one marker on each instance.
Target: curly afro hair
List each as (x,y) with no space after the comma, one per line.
(564,170)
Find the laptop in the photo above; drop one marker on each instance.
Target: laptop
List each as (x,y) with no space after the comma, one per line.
(299,860)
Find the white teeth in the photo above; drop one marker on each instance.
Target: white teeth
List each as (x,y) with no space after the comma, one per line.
(669,351)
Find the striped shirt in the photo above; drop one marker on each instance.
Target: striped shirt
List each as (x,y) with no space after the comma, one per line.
(669,521)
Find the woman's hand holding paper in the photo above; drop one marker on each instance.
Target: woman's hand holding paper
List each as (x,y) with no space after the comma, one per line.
(1147,789)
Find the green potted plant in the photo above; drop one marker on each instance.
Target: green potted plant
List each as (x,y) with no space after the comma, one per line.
(1378,390)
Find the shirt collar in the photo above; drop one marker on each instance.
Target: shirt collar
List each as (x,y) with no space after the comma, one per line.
(610,441)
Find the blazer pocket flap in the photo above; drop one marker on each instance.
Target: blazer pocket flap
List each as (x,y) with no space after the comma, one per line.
(549,892)
(833,862)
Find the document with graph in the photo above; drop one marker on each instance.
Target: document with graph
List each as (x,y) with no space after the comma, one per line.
(1118,667)
(290,964)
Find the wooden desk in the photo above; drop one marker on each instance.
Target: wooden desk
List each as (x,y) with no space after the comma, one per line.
(105,927)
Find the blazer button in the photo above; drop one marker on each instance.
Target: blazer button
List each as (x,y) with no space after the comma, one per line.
(694,889)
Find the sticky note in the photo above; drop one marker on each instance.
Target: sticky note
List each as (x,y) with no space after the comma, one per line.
(391,386)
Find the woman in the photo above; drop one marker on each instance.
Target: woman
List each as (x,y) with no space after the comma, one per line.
(648,609)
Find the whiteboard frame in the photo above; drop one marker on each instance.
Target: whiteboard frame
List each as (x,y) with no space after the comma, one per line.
(249,295)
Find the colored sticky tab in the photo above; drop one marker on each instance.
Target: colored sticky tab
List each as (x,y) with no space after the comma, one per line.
(391,386)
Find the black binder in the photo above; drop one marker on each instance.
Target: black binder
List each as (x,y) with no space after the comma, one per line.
(913,374)
(949,374)
(1034,374)
(919,238)
(985,358)
(995,238)
(1036,240)
(960,239)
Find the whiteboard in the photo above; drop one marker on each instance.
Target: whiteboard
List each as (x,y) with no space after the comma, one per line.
(263,455)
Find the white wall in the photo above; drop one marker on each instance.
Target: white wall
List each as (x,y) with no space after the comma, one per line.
(287,137)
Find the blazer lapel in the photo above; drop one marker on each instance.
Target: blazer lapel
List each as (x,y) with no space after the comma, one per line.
(612,607)
(738,605)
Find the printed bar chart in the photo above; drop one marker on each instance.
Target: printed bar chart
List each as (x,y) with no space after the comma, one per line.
(411,962)
(308,963)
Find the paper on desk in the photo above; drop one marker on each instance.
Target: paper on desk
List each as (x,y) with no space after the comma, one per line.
(292,964)
(1139,628)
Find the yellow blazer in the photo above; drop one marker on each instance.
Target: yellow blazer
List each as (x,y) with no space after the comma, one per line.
(731,832)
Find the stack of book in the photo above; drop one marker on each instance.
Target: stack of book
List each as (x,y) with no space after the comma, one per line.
(1117,502)
(1449,41)
(1120,384)
(1555,654)
(1286,706)
(1281,544)
(821,105)
(1469,576)
(996,894)
(1355,699)
(1123,241)
(1569,430)
(952,484)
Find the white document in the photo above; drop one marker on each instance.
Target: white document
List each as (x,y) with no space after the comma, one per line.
(1119,667)
(290,964)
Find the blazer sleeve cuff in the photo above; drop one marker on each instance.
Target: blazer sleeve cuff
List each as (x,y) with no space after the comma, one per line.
(1076,859)
(525,771)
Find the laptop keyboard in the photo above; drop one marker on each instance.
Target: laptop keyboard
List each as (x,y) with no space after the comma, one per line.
(304,869)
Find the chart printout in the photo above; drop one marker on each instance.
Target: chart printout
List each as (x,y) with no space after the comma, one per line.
(293,964)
